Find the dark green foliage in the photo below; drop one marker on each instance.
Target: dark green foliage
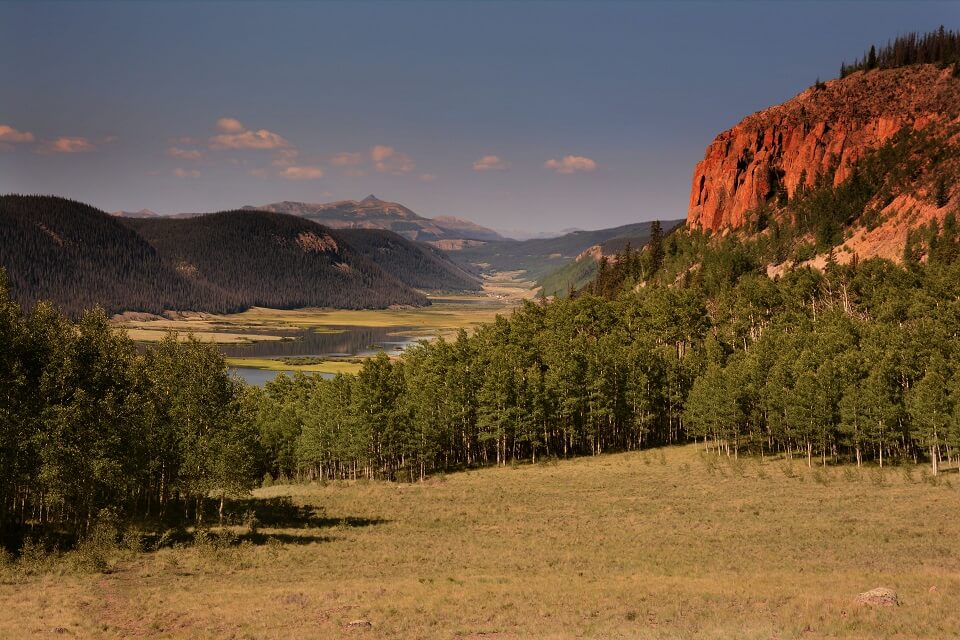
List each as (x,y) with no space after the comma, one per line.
(940,47)
(79,257)
(90,425)
(576,274)
(274,260)
(655,249)
(942,194)
(415,264)
(811,365)
(572,276)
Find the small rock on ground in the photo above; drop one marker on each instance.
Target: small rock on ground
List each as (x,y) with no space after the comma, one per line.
(879,597)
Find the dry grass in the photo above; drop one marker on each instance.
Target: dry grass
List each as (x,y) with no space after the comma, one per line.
(657,544)
(274,364)
(156,335)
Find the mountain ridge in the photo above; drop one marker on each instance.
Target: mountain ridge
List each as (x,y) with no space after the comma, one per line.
(374,213)
(79,257)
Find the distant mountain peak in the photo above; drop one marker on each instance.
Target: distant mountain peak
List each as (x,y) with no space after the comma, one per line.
(371,199)
(143,213)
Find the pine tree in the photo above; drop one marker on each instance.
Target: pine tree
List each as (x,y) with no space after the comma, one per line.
(655,248)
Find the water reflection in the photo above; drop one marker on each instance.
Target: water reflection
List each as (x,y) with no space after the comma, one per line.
(260,377)
(325,342)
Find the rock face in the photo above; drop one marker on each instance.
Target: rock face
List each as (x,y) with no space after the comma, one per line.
(879,597)
(774,149)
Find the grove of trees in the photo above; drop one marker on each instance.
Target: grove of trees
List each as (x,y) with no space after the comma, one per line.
(855,364)
(89,423)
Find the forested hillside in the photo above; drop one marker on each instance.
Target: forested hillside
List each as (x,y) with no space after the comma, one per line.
(774,336)
(415,264)
(540,257)
(578,273)
(79,257)
(274,260)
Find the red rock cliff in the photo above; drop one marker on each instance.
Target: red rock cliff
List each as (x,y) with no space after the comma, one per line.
(744,166)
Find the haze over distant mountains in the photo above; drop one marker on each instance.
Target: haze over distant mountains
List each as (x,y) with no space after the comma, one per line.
(374,213)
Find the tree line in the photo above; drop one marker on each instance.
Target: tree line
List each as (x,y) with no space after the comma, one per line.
(936,47)
(857,363)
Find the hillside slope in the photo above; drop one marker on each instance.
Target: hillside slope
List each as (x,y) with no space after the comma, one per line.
(887,137)
(580,271)
(79,257)
(273,260)
(541,256)
(415,264)
(373,213)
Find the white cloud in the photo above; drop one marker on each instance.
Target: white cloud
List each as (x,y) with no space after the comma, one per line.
(491,163)
(389,160)
(236,136)
(571,164)
(301,173)
(427,177)
(260,139)
(186,173)
(185,154)
(230,125)
(9,134)
(67,144)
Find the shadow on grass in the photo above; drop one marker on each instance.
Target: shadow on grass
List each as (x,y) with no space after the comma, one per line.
(282,513)
(250,520)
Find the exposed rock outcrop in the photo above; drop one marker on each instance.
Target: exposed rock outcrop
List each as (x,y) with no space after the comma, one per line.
(773,151)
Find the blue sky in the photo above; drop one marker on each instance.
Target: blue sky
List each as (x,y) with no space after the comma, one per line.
(517,115)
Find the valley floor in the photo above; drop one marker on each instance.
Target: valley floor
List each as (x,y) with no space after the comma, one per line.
(448,314)
(665,543)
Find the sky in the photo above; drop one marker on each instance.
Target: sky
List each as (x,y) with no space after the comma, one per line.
(534,116)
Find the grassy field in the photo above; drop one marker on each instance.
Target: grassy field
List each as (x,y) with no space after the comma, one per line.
(218,337)
(657,544)
(448,314)
(275,364)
